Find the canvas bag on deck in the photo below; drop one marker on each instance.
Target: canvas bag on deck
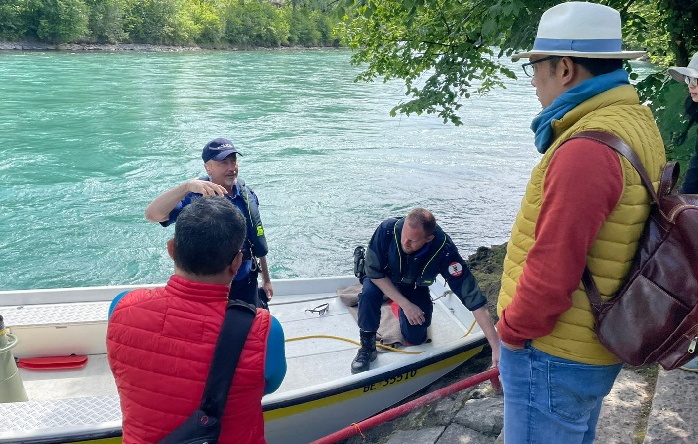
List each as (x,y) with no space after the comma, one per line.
(654,316)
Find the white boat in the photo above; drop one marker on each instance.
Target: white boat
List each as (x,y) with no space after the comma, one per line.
(318,396)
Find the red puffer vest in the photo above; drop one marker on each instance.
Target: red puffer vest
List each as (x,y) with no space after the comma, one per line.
(160,344)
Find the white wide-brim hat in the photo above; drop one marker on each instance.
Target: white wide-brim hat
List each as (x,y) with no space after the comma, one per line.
(678,73)
(580,29)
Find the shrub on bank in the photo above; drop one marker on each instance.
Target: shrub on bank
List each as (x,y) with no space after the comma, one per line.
(213,23)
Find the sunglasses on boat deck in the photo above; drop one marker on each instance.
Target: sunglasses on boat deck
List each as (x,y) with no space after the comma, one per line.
(690,81)
(321,309)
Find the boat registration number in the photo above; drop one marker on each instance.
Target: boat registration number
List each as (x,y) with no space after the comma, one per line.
(391,380)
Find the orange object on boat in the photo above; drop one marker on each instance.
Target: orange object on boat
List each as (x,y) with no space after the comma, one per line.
(53,362)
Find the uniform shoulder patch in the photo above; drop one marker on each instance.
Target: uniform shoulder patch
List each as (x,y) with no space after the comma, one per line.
(260,231)
(455,269)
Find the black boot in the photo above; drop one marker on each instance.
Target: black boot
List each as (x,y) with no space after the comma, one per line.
(367,352)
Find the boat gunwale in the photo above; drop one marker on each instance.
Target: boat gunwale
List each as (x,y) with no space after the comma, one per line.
(105,430)
(102,293)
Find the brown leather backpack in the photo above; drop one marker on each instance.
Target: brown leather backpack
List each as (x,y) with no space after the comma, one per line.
(654,316)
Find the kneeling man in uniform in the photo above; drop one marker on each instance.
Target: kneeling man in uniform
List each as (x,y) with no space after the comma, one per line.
(402,261)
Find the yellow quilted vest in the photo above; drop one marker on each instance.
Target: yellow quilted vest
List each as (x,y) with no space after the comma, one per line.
(615,111)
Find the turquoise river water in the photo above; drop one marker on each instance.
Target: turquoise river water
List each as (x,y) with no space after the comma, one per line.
(87,140)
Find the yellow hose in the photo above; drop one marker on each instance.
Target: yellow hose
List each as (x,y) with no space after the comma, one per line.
(351,341)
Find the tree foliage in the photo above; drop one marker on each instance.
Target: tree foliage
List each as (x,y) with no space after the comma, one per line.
(446,50)
(62,20)
(215,23)
(106,20)
(15,18)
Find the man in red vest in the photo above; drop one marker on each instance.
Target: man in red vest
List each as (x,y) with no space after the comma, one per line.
(160,341)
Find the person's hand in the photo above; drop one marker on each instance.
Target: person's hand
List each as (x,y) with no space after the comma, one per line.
(414,314)
(205,188)
(268,289)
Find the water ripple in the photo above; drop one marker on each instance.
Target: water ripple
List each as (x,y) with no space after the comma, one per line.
(89,139)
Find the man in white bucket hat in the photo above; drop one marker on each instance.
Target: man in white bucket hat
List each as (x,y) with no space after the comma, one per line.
(583,205)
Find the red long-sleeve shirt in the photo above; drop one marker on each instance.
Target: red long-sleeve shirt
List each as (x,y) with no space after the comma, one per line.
(583,185)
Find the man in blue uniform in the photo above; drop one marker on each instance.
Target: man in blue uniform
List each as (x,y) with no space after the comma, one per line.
(402,261)
(222,166)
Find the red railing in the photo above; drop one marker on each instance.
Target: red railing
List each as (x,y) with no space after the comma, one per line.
(388,415)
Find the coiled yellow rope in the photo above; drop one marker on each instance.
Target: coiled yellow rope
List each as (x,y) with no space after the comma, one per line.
(351,341)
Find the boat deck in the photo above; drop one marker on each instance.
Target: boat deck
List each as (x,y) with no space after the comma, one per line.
(87,396)
(302,356)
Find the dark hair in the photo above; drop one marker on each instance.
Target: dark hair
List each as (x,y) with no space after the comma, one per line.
(208,234)
(596,67)
(423,218)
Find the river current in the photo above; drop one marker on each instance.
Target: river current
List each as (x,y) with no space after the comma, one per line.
(87,140)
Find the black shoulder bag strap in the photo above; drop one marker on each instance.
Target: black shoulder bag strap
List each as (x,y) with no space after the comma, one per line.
(204,424)
(621,147)
(236,325)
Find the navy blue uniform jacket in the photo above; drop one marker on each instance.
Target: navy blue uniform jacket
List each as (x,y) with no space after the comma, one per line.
(385,258)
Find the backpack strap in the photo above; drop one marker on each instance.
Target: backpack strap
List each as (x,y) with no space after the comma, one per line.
(621,147)
(231,339)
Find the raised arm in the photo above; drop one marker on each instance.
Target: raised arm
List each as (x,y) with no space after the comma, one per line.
(160,208)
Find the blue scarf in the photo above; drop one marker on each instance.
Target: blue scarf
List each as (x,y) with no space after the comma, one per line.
(542,125)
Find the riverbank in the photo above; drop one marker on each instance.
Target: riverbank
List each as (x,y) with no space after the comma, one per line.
(646,406)
(140,47)
(32,46)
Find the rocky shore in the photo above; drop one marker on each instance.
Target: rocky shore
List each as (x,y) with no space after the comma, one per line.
(32,46)
(646,406)
(73,47)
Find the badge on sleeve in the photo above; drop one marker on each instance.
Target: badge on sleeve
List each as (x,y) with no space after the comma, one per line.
(455,269)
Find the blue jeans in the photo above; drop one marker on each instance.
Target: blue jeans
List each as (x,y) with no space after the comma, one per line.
(371,299)
(550,400)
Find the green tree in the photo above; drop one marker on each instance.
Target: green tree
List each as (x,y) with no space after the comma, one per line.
(247,23)
(62,21)
(325,26)
(256,23)
(208,14)
(304,30)
(106,20)
(16,19)
(668,30)
(446,50)
(151,21)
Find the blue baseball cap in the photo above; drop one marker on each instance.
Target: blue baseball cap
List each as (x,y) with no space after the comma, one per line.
(218,149)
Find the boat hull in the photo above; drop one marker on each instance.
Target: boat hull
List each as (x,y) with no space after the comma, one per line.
(298,421)
(318,397)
